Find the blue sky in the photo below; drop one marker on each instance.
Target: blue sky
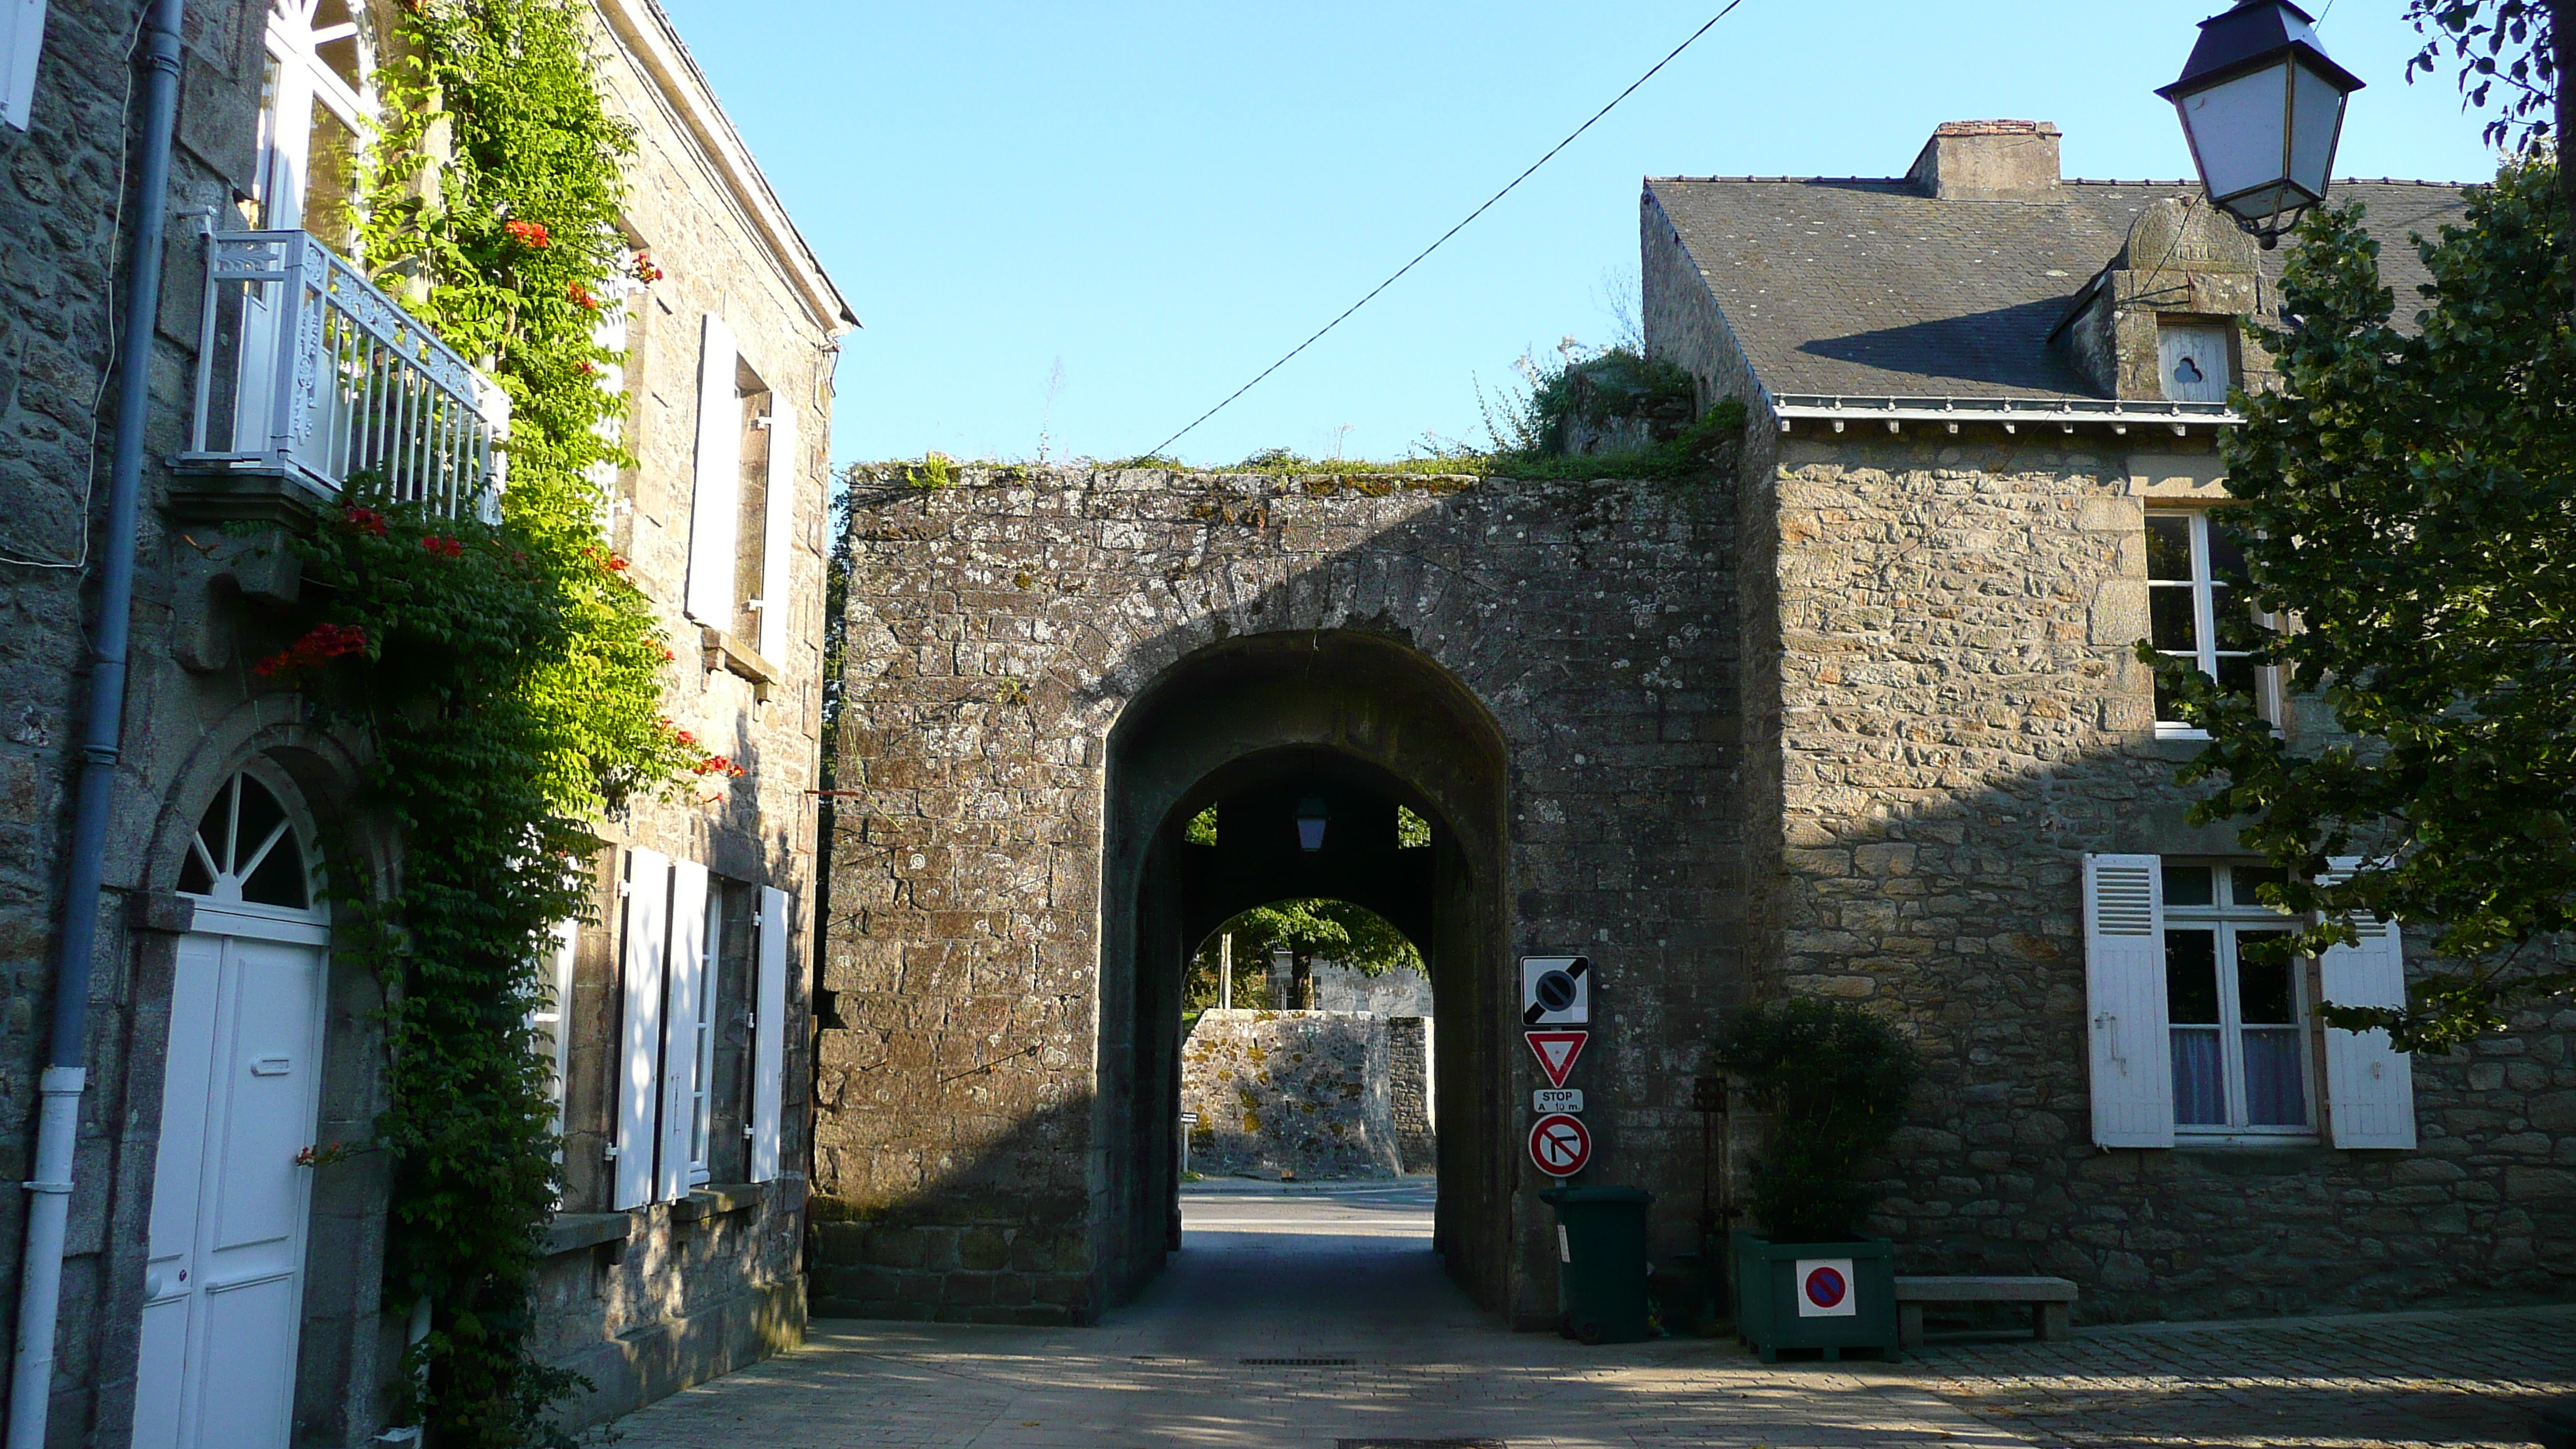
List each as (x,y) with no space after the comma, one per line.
(1082,225)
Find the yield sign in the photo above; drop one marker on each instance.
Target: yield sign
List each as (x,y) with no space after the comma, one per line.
(1559,1145)
(1557,1051)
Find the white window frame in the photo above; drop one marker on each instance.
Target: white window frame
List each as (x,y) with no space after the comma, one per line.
(22,42)
(702,1094)
(303,77)
(2204,588)
(2226,919)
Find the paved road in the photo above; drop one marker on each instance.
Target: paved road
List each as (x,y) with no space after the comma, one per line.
(1343,1275)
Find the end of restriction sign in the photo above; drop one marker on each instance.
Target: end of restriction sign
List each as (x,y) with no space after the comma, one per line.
(1556,990)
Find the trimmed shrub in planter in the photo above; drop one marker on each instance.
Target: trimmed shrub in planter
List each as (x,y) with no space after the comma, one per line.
(1835,1080)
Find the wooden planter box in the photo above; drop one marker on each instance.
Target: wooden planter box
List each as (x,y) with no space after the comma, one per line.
(1837,1297)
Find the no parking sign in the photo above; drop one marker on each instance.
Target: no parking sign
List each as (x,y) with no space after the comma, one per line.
(1825,1288)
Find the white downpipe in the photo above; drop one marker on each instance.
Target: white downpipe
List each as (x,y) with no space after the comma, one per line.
(49,1211)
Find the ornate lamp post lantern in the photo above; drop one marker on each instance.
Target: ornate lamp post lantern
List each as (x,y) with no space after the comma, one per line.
(1311,819)
(2262,106)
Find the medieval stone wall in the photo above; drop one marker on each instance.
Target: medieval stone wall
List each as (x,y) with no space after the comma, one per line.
(1962,720)
(997,630)
(1411,1049)
(1301,1094)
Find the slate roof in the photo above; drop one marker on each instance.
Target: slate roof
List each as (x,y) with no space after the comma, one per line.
(1871,288)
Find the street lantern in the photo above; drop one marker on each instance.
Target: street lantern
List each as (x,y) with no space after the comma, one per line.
(2262,107)
(1310,823)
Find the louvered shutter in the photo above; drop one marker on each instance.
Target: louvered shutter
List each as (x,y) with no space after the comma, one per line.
(786,482)
(715,507)
(769,1035)
(2370,1085)
(22,39)
(639,1036)
(2124,981)
(680,1027)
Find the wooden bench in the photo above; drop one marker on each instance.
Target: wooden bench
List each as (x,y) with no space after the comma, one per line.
(2047,1298)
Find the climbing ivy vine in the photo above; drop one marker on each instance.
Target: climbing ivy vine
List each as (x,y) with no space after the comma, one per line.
(505,672)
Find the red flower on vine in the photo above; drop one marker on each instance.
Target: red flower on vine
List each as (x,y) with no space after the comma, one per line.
(581,297)
(443,547)
(645,271)
(716,765)
(529,234)
(617,563)
(667,655)
(324,643)
(362,520)
(589,369)
(683,737)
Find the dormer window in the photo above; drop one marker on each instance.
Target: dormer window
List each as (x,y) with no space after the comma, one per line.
(2196,357)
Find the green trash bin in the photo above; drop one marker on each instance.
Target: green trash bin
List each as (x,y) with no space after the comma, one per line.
(1601,1262)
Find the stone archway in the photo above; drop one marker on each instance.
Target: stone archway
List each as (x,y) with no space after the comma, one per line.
(1039,665)
(1251,725)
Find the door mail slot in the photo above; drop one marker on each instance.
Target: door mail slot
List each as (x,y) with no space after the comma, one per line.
(269,1066)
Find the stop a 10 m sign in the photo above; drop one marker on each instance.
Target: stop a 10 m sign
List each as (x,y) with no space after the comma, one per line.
(1559,1144)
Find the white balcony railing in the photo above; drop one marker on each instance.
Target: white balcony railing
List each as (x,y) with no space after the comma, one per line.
(306,371)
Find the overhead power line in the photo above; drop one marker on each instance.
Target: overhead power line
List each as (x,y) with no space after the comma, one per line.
(1399,272)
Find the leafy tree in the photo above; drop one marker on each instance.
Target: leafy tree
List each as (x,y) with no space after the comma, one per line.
(2410,501)
(1338,931)
(2513,44)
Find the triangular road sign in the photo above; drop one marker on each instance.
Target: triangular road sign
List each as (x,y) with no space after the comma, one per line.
(1556,1052)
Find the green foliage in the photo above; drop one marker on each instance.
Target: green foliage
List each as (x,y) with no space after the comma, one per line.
(2411,501)
(1612,413)
(1202,828)
(1337,931)
(510,678)
(1412,832)
(2496,42)
(1835,1080)
(932,474)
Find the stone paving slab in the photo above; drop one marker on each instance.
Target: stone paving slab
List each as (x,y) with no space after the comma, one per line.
(1364,1339)
(1345,1278)
(2453,1379)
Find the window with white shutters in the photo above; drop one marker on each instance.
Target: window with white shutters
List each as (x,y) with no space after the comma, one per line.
(22,39)
(2199,611)
(2238,1016)
(644,952)
(2370,1085)
(2124,979)
(769,1034)
(681,1011)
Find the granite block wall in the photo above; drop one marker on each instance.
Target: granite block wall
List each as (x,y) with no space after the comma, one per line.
(1292,1094)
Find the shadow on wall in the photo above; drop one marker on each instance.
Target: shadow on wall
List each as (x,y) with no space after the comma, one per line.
(1543,669)
(977,1241)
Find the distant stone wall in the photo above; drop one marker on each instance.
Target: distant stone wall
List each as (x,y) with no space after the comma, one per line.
(1296,1092)
(1408,1092)
(1396,993)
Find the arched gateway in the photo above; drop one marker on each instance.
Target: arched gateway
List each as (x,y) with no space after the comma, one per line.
(1051,672)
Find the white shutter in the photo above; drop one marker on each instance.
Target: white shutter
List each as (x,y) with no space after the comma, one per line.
(2370,1085)
(786,481)
(554,1020)
(715,509)
(680,1026)
(769,1035)
(22,38)
(639,1053)
(2124,985)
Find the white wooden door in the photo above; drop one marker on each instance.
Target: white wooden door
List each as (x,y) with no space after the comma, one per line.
(224,1289)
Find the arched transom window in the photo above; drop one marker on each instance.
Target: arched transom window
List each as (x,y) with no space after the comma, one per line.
(316,108)
(249,850)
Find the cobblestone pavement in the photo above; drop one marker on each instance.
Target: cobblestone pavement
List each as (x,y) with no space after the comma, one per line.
(1377,1345)
(2359,1382)
(1306,1316)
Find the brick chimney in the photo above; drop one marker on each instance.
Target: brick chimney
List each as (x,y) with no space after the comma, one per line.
(1988,161)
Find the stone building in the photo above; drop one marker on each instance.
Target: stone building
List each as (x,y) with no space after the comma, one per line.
(1857,716)
(680,1026)
(1985,400)
(1300,1094)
